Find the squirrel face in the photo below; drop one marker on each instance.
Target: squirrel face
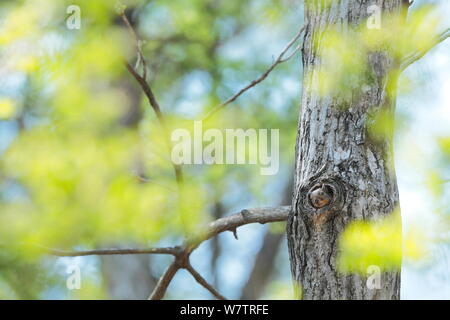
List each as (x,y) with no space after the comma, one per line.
(320,197)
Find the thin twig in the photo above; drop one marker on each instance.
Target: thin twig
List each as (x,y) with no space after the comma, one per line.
(229,223)
(142,80)
(182,253)
(148,92)
(232,222)
(163,282)
(415,56)
(279,60)
(138,44)
(292,53)
(63,253)
(156,107)
(203,282)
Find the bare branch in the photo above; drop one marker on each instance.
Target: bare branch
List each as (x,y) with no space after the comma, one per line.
(279,60)
(182,253)
(112,251)
(203,282)
(155,106)
(229,223)
(163,283)
(246,216)
(138,45)
(292,53)
(148,92)
(415,56)
(142,80)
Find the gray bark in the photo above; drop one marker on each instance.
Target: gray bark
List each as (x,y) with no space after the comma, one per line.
(343,172)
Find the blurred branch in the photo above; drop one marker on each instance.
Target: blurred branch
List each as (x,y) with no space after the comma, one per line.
(203,282)
(163,282)
(139,42)
(142,80)
(230,223)
(279,60)
(63,253)
(292,53)
(246,216)
(415,56)
(148,92)
(155,105)
(182,253)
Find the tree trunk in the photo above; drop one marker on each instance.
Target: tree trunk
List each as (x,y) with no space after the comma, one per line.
(343,172)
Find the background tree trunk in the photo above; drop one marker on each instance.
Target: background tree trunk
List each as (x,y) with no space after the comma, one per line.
(127,277)
(265,260)
(337,156)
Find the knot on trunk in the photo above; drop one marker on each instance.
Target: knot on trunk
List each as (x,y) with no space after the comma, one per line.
(321,196)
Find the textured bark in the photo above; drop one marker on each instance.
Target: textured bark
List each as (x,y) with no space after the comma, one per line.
(335,149)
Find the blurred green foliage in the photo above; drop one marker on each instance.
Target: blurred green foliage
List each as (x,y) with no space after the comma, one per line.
(379,243)
(76,176)
(347,57)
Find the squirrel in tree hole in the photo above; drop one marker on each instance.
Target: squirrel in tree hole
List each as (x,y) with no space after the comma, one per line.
(320,197)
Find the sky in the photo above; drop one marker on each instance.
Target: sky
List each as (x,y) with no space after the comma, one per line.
(430,117)
(428,111)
